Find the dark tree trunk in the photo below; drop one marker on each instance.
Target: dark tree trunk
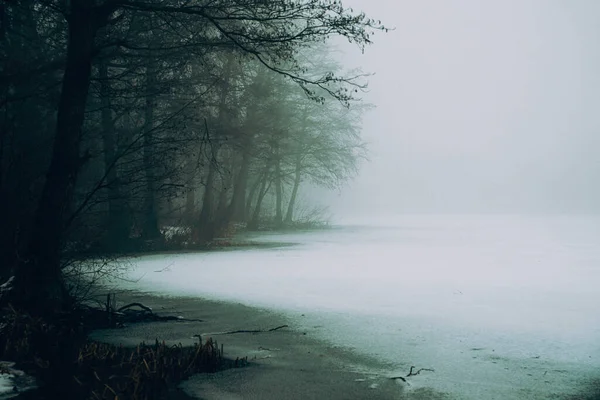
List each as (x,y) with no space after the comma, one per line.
(15,177)
(8,216)
(39,285)
(3,21)
(206,222)
(204,226)
(289,215)
(150,229)
(221,219)
(253,224)
(190,194)
(297,177)
(252,195)
(237,208)
(117,233)
(278,192)
(190,203)
(221,212)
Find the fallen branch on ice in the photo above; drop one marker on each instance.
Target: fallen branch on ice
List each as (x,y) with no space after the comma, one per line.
(140,305)
(248,331)
(412,372)
(146,314)
(113,316)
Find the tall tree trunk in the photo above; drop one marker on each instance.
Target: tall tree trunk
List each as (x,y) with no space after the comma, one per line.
(278,191)
(237,207)
(39,283)
(208,201)
(206,221)
(190,203)
(190,194)
(251,196)
(221,214)
(150,230)
(17,32)
(253,224)
(226,181)
(8,217)
(297,177)
(289,215)
(3,21)
(118,222)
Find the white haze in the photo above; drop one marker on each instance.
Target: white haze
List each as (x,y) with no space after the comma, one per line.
(482,106)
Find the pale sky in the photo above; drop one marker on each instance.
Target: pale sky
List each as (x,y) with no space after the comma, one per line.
(482,106)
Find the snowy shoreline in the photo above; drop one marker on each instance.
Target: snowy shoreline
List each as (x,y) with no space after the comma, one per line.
(426,291)
(286,363)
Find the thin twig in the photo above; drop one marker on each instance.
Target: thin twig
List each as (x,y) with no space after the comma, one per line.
(410,373)
(248,331)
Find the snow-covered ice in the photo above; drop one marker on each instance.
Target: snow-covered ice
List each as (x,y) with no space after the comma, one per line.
(499,306)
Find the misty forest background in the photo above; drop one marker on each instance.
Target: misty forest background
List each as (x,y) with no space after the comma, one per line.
(130,126)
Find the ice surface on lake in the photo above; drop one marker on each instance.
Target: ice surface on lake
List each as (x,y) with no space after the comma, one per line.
(499,306)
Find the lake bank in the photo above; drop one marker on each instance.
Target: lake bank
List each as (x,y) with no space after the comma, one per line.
(286,363)
(293,362)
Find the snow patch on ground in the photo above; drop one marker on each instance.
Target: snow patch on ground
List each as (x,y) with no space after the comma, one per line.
(13,381)
(6,387)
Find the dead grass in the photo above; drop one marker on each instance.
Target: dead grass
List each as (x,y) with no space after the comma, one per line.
(68,365)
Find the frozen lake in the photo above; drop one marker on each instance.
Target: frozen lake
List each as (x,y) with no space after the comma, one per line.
(501,307)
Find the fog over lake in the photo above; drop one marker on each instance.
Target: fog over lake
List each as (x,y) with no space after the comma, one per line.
(481,107)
